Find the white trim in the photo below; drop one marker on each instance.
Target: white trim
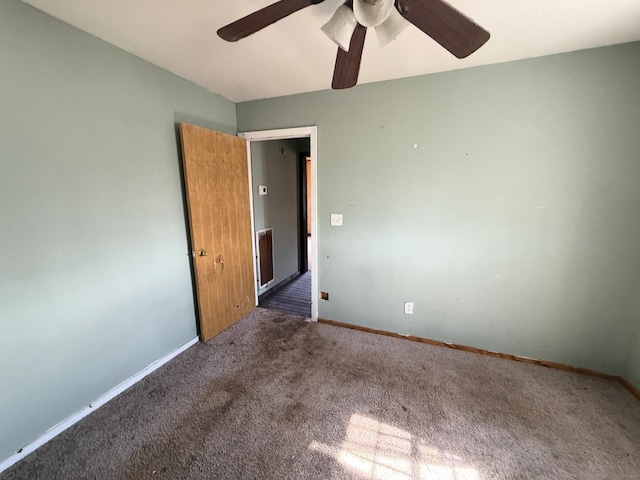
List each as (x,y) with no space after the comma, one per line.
(315,291)
(92,407)
(283,134)
(254,239)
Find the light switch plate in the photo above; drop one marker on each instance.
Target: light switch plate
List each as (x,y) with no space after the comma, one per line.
(262,189)
(336,219)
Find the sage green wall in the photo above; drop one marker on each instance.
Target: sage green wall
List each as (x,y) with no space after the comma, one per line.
(274,163)
(633,370)
(94,275)
(633,367)
(502,200)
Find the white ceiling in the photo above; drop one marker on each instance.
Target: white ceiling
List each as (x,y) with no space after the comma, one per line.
(294,56)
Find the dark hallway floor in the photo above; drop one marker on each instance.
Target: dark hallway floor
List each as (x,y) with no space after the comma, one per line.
(294,297)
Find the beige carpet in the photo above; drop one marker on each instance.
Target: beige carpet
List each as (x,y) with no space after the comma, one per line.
(277,398)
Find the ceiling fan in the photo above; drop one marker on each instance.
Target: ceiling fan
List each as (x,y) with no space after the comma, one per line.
(456,32)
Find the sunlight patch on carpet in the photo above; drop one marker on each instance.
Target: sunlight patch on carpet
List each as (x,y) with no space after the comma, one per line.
(379,451)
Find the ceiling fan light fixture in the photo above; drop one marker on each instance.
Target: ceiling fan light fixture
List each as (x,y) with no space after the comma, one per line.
(348,26)
(393,26)
(341,26)
(372,13)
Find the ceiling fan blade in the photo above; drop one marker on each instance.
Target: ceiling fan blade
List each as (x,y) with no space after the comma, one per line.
(449,27)
(345,74)
(262,18)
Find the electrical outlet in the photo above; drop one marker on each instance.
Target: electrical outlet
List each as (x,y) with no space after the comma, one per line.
(408,308)
(336,219)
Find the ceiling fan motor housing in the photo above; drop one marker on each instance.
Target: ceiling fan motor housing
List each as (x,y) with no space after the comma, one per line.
(371,13)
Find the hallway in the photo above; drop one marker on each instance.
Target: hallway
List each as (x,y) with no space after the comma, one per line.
(294,297)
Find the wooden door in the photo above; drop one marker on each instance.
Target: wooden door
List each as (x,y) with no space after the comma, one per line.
(304,191)
(217,188)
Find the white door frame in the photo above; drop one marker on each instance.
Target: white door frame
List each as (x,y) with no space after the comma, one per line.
(283,134)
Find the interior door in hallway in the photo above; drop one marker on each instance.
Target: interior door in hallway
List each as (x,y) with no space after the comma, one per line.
(217,187)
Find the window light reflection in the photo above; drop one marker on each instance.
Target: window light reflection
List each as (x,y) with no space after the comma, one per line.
(379,451)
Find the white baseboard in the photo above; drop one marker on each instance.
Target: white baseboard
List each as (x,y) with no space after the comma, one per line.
(92,407)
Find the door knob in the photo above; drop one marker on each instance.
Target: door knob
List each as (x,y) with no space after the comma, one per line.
(202,253)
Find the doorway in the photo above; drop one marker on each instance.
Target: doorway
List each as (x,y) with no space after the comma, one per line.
(272,234)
